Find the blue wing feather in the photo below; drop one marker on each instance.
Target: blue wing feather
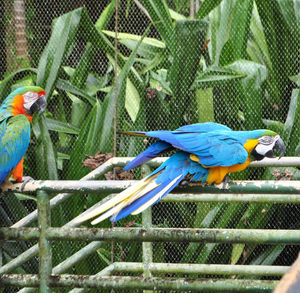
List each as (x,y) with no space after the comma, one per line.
(14,141)
(168,140)
(151,152)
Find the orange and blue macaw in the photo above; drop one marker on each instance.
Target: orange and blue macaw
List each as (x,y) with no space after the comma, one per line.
(207,153)
(16,114)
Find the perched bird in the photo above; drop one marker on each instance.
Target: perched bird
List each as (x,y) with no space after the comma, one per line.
(207,153)
(16,114)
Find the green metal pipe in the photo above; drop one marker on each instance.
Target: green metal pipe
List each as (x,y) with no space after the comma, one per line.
(130,283)
(232,197)
(147,246)
(158,235)
(72,260)
(19,260)
(60,198)
(108,186)
(105,272)
(45,256)
(113,162)
(206,269)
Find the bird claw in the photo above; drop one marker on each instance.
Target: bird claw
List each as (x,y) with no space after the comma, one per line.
(184,182)
(225,182)
(25,180)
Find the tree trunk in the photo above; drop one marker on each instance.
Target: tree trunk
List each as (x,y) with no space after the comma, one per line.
(20,28)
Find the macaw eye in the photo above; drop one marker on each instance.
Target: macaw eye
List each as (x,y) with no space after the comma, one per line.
(29,99)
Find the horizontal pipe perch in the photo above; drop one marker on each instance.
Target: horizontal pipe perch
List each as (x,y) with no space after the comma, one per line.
(157,235)
(114,186)
(154,283)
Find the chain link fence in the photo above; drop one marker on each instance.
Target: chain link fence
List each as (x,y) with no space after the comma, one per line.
(235,63)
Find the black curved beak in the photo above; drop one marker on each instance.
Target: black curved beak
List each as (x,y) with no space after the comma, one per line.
(39,105)
(279,145)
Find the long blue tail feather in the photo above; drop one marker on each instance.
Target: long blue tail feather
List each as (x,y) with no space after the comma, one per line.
(142,200)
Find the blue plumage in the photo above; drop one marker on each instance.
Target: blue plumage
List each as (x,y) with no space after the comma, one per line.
(206,153)
(14,141)
(179,165)
(153,151)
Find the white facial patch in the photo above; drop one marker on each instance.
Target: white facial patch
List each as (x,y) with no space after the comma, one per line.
(265,144)
(29,99)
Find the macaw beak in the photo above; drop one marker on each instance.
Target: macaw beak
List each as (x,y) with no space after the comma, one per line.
(39,105)
(279,145)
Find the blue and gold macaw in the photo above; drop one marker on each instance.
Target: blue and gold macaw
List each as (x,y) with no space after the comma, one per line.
(16,114)
(207,153)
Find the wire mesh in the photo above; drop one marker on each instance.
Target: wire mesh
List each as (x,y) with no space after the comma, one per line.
(239,68)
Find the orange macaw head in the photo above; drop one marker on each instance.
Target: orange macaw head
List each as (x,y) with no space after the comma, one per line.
(25,100)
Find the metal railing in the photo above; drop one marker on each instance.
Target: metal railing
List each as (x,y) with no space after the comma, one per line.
(236,191)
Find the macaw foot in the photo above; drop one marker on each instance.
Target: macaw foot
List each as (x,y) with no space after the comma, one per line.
(225,182)
(184,182)
(25,180)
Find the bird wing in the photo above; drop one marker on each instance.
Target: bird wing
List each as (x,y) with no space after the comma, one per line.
(164,144)
(14,141)
(214,148)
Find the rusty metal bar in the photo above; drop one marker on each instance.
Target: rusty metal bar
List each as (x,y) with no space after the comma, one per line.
(206,269)
(45,257)
(114,282)
(157,235)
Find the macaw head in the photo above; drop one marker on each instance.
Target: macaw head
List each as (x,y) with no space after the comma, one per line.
(25,100)
(267,147)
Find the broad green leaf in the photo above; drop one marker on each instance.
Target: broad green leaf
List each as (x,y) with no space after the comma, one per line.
(205,104)
(87,142)
(276,126)
(176,16)
(189,38)
(235,47)
(216,76)
(206,7)
(220,20)
(105,17)
(256,216)
(250,91)
(289,11)
(152,44)
(160,15)
(257,45)
(107,118)
(159,80)
(279,39)
(60,126)
(63,33)
(45,152)
(291,128)
(7,83)
(236,253)
(132,100)
(296,79)
(69,87)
